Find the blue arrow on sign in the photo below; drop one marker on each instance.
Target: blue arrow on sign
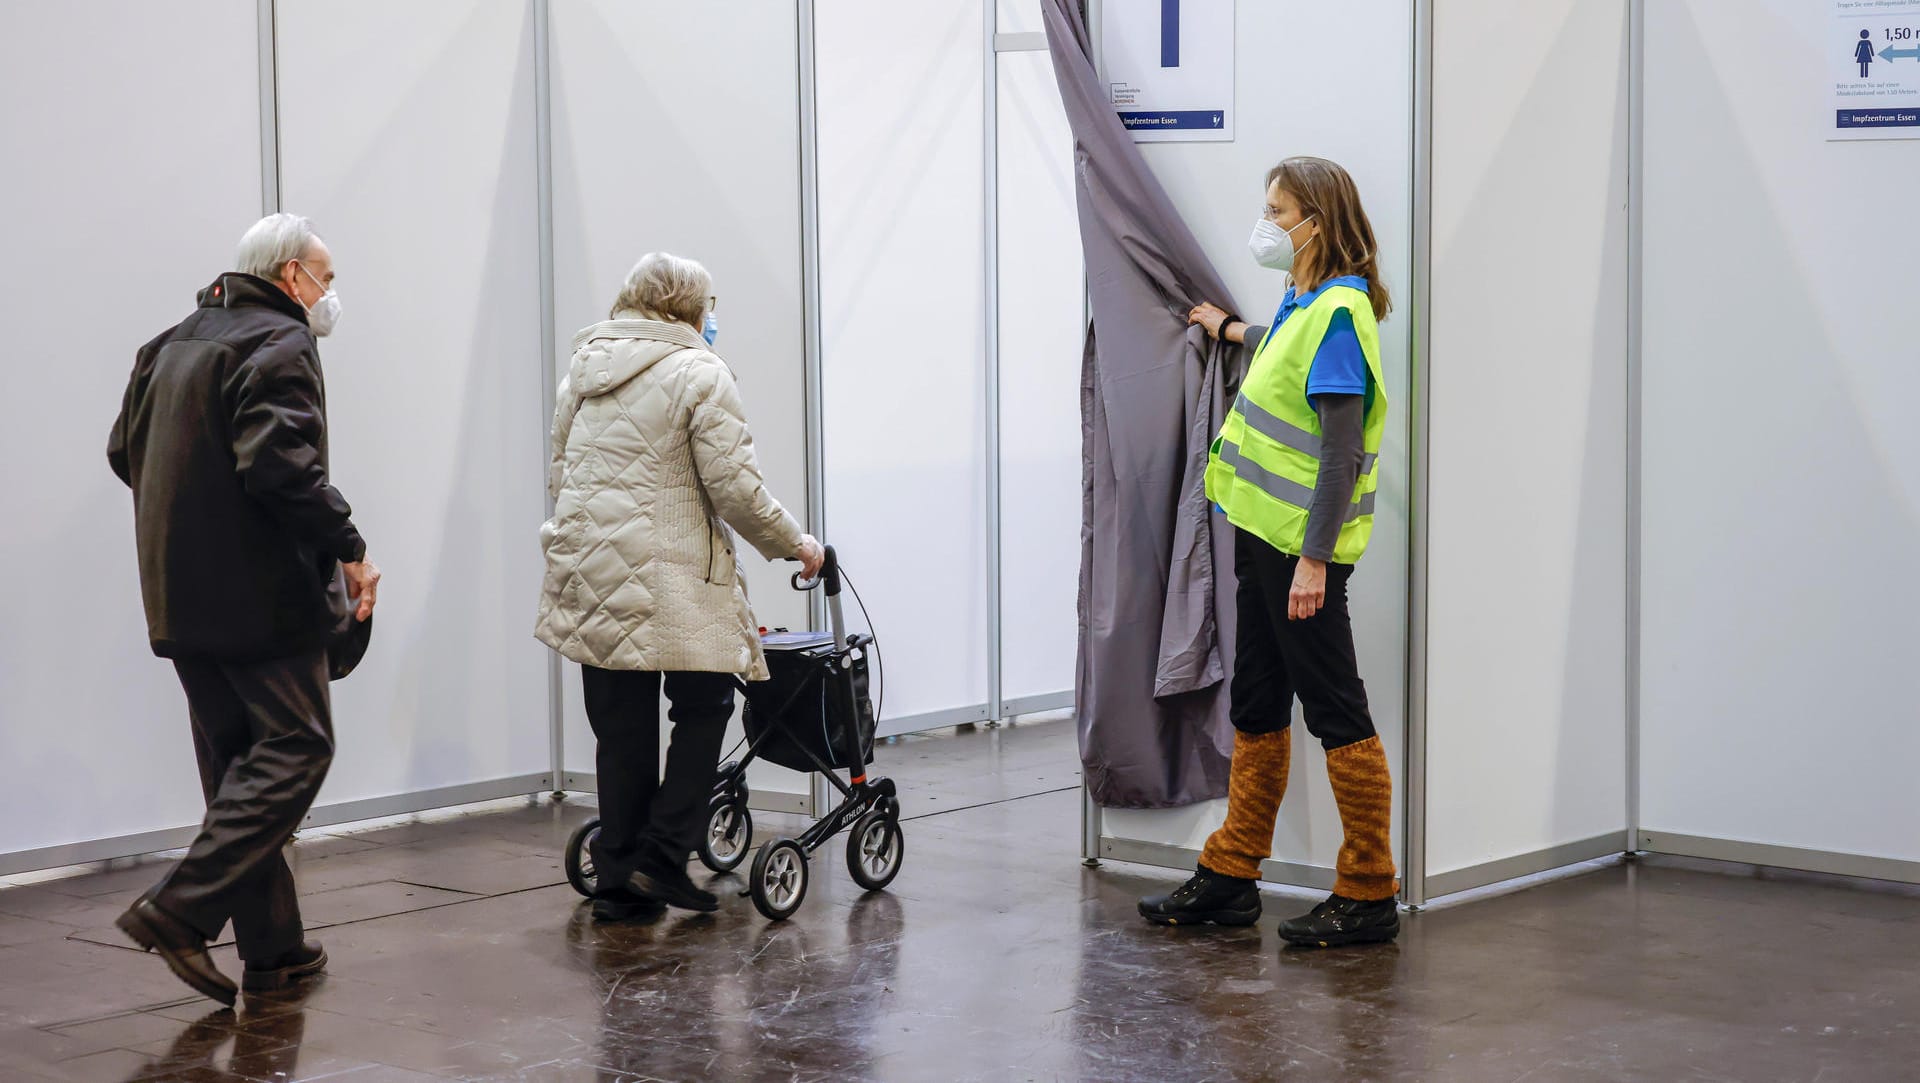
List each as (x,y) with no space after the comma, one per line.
(1891,53)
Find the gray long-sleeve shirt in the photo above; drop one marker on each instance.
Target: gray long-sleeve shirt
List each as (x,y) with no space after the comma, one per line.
(1343,422)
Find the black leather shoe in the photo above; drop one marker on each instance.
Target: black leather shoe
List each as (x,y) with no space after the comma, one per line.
(1341,920)
(1207,899)
(625,906)
(674,889)
(272,974)
(184,949)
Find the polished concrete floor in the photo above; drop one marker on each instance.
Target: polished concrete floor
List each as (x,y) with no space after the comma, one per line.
(459,954)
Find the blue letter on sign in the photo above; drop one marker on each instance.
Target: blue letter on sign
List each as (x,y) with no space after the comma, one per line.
(1169,33)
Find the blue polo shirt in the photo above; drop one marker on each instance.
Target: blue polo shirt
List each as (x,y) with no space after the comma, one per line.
(1339,366)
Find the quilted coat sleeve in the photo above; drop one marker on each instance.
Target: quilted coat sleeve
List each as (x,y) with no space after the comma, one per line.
(729,471)
(566,404)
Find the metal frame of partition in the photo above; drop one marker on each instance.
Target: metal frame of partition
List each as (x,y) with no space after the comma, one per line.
(1636,198)
(1413,846)
(990,240)
(549,362)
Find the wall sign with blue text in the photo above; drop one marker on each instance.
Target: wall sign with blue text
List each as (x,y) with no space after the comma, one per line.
(1874,66)
(1169,68)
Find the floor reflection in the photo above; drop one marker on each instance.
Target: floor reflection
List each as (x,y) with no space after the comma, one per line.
(688,996)
(1207,1002)
(265,1040)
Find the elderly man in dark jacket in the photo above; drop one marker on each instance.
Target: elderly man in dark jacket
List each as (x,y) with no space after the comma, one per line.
(249,565)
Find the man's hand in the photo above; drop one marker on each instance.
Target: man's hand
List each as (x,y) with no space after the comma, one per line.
(812,556)
(363,584)
(1309,593)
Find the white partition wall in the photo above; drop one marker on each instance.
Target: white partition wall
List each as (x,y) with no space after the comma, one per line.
(406,133)
(1041,324)
(486,172)
(904,377)
(1527,499)
(1782,464)
(673,131)
(110,231)
(1219,188)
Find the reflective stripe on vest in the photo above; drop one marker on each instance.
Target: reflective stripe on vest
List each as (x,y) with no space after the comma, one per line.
(1287,434)
(1279,488)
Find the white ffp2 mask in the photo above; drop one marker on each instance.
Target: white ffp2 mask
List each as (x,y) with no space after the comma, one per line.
(323,314)
(1272,246)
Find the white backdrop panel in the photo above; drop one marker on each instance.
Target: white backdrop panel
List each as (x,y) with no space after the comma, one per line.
(642,162)
(1218,187)
(1042,326)
(407,134)
(97,178)
(1526,627)
(902,280)
(1782,494)
(1019,17)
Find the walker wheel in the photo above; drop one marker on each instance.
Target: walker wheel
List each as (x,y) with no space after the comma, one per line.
(778,882)
(729,833)
(875,848)
(580,857)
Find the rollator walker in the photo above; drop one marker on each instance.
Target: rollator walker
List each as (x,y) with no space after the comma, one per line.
(813,714)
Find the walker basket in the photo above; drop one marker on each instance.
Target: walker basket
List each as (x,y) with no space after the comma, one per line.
(802,713)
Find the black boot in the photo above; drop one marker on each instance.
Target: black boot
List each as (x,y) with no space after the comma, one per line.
(1207,899)
(1341,920)
(619,904)
(674,888)
(270,974)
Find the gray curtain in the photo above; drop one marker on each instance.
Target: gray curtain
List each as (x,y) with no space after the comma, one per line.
(1156,567)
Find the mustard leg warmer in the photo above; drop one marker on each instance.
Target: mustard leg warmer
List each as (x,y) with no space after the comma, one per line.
(1255,784)
(1363,788)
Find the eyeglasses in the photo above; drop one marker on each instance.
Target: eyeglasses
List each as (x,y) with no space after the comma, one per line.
(713,304)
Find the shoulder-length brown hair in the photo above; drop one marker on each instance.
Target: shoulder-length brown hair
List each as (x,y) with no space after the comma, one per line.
(1325,191)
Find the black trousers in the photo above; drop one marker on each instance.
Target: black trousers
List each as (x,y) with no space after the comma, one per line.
(648,823)
(263,733)
(1277,659)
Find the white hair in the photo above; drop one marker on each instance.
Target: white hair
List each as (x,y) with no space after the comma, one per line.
(272,242)
(668,288)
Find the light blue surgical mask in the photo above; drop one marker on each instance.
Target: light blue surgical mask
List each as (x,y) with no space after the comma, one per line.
(712,330)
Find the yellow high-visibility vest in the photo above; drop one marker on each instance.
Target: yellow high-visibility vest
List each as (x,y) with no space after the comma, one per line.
(1265,463)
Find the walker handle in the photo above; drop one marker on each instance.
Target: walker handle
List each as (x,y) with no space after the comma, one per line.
(829,574)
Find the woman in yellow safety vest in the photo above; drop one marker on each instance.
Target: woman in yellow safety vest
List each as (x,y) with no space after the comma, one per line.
(1294,469)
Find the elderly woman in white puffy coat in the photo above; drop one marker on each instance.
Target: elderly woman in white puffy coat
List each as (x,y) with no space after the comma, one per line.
(653,475)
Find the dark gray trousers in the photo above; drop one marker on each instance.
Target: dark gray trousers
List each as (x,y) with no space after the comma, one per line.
(263,733)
